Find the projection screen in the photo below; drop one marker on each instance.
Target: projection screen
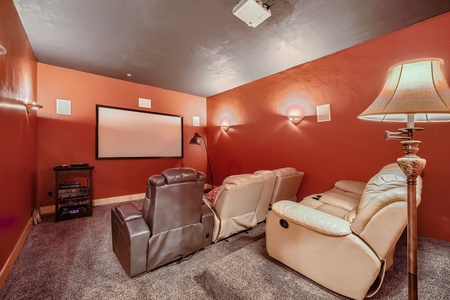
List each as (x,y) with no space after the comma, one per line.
(127,133)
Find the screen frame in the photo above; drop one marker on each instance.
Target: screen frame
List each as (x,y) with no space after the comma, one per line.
(101,156)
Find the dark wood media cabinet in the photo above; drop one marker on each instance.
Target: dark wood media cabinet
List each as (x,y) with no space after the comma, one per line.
(73,192)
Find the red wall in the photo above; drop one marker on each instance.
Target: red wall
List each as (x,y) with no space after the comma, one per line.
(65,139)
(345,148)
(17,130)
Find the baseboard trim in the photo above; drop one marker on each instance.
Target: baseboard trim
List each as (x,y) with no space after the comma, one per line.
(118,199)
(15,253)
(45,210)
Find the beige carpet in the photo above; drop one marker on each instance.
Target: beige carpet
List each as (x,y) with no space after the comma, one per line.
(74,260)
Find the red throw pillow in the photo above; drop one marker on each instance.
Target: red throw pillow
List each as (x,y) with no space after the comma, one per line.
(212,194)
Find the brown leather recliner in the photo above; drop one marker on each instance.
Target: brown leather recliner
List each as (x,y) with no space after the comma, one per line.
(172,224)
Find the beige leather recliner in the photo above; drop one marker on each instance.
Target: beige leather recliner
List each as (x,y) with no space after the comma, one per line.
(287,184)
(282,183)
(266,195)
(235,203)
(344,239)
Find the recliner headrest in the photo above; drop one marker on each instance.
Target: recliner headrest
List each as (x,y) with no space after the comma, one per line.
(266,174)
(243,179)
(288,171)
(176,175)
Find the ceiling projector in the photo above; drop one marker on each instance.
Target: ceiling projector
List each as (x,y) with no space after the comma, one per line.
(252,12)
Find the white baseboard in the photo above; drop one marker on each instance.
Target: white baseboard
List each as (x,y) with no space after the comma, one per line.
(13,256)
(45,210)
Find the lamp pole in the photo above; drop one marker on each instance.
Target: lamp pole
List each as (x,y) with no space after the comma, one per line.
(411,165)
(195,140)
(209,164)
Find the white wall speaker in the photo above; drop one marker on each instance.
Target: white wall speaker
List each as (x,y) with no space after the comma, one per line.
(147,103)
(195,121)
(63,107)
(323,113)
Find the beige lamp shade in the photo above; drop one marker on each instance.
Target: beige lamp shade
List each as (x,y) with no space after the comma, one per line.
(416,87)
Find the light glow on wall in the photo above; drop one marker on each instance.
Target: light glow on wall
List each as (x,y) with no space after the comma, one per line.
(228,116)
(296,105)
(225,123)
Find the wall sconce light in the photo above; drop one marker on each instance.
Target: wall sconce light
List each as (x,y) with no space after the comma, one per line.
(33,107)
(2,50)
(225,124)
(295,118)
(295,113)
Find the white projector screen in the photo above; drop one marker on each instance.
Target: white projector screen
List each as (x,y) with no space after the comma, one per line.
(128,133)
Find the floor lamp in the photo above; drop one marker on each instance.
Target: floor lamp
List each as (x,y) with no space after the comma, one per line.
(415,91)
(195,140)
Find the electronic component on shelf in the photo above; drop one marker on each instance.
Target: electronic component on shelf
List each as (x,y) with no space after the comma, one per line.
(61,166)
(79,165)
(69,185)
(73,192)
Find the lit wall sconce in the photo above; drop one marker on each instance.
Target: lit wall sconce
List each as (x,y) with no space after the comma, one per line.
(225,124)
(295,113)
(33,107)
(295,118)
(2,50)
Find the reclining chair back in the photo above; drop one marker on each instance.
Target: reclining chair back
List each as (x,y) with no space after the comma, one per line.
(383,205)
(235,204)
(266,195)
(172,209)
(173,199)
(287,184)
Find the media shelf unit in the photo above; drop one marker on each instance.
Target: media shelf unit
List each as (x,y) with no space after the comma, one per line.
(73,192)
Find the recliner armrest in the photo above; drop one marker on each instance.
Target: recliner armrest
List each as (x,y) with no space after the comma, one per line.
(311,218)
(130,235)
(127,212)
(208,223)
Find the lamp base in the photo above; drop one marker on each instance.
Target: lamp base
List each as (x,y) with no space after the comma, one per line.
(412,286)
